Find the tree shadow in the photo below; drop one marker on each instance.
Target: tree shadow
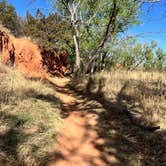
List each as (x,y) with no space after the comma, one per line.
(128,143)
(10,138)
(31,93)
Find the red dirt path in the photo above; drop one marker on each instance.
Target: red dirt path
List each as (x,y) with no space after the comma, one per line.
(79,137)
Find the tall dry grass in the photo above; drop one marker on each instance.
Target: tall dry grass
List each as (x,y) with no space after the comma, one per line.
(29,119)
(143,92)
(144,95)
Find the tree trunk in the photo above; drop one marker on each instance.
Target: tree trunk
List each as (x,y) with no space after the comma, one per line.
(109,30)
(74,20)
(93,67)
(102,63)
(77,51)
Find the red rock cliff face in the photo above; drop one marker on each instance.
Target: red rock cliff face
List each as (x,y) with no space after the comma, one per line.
(29,58)
(7,48)
(55,63)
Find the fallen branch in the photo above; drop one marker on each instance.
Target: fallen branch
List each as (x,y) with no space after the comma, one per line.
(134,122)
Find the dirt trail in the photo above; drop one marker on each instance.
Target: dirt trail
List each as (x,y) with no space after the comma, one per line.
(79,137)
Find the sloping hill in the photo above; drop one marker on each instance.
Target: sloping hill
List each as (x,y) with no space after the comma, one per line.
(29,119)
(29,58)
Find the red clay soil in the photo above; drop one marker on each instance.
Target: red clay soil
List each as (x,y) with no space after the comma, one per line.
(55,62)
(78,137)
(25,55)
(29,58)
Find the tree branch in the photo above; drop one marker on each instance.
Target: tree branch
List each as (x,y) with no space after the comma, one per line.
(109,29)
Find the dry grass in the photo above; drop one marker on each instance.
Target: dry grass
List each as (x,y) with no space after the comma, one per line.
(143,92)
(29,119)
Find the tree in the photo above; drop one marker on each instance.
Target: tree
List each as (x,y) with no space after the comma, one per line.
(9,18)
(71,8)
(129,54)
(98,21)
(51,32)
(160,61)
(149,57)
(95,24)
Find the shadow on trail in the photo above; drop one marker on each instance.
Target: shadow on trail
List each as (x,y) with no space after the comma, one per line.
(118,140)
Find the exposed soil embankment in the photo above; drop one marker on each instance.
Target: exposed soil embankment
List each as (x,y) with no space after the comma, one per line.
(29,58)
(54,62)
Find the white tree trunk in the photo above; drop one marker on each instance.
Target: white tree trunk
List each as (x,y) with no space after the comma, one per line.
(77,51)
(74,19)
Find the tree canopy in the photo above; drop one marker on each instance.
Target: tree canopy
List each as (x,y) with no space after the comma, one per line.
(9,18)
(51,32)
(96,24)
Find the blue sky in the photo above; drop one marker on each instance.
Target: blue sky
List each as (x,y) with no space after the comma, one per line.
(153,25)
(22,6)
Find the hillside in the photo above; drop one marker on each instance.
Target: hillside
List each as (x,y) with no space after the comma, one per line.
(29,58)
(29,119)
